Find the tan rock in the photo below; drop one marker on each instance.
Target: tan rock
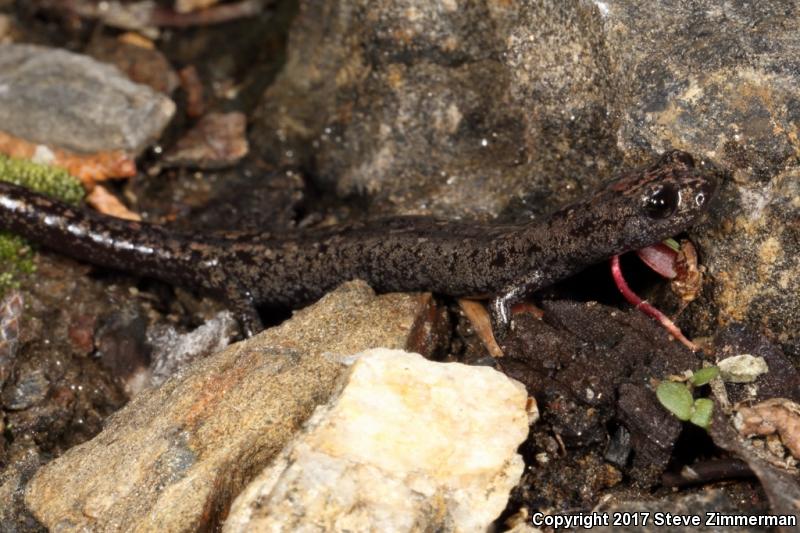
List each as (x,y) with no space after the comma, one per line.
(173,458)
(408,445)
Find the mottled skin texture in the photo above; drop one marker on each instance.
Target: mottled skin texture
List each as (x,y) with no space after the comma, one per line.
(506,262)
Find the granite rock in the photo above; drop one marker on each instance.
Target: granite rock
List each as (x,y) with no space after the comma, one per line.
(175,456)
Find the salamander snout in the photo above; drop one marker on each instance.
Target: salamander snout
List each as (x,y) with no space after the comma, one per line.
(665,199)
(680,187)
(658,201)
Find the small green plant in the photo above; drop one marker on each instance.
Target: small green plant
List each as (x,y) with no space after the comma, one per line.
(16,255)
(677,397)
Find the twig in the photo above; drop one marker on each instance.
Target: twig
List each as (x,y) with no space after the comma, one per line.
(707,472)
(167,17)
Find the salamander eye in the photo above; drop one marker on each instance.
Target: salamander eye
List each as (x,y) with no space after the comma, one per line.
(662,201)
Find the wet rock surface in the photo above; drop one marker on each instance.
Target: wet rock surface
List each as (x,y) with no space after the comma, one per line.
(56,395)
(19,465)
(420,105)
(68,100)
(175,456)
(380,454)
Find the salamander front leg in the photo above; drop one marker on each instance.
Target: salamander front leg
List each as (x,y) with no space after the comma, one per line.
(500,305)
(244,308)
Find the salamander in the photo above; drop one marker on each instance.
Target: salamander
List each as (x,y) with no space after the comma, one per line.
(505,261)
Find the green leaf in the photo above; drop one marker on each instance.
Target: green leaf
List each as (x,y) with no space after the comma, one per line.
(672,243)
(702,412)
(676,398)
(704,375)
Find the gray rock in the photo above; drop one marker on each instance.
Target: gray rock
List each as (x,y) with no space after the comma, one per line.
(173,352)
(71,101)
(29,388)
(407,445)
(752,253)
(174,457)
(439,107)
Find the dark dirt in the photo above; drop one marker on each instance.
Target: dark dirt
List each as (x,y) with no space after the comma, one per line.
(592,370)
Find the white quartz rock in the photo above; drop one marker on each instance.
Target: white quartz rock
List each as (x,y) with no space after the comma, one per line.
(409,444)
(744,368)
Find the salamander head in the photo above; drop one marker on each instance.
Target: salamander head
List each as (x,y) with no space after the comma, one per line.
(659,201)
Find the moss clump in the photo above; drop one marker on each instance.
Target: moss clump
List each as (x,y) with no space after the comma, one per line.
(52,181)
(16,255)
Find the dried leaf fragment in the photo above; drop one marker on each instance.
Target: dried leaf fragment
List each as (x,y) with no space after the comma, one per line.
(89,168)
(107,203)
(479,318)
(777,415)
(689,279)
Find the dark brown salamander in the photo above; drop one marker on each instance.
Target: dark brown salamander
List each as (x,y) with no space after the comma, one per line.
(640,208)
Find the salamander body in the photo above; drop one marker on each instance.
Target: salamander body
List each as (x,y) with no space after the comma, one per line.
(508,261)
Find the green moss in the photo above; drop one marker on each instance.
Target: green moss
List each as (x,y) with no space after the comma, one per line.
(16,255)
(52,181)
